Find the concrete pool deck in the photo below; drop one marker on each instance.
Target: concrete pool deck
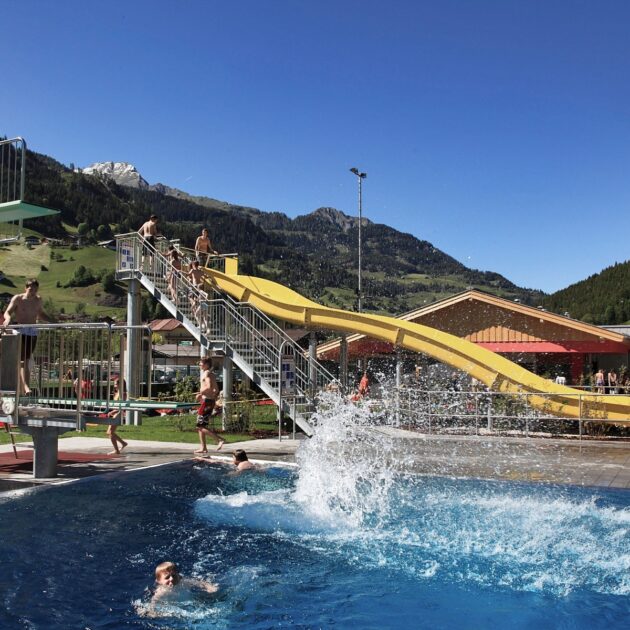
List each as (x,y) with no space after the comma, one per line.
(584,463)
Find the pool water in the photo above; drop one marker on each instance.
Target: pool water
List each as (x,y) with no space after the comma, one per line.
(381,551)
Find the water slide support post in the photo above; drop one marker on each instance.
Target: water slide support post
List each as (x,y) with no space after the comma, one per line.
(343,361)
(312,358)
(399,367)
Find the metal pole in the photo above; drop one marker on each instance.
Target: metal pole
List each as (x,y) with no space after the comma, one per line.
(312,358)
(360,177)
(360,222)
(227,388)
(134,306)
(399,367)
(476,413)
(79,391)
(22,180)
(343,361)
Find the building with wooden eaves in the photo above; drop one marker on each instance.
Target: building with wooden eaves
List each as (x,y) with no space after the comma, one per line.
(543,342)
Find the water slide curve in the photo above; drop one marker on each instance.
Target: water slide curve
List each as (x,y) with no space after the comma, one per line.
(495,371)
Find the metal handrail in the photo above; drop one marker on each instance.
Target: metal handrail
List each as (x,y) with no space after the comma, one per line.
(65,357)
(242,323)
(11,160)
(421,404)
(261,321)
(192,253)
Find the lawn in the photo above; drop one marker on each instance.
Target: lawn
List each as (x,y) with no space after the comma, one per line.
(18,263)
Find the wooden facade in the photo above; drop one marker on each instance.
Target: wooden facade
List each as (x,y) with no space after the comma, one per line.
(523,333)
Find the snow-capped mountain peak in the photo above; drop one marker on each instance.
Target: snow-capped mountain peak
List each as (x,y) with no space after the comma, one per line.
(122,173)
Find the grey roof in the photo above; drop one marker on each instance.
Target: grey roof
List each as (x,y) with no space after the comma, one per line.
(622,329)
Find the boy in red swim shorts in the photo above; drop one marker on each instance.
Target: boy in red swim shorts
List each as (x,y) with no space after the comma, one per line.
(207,395)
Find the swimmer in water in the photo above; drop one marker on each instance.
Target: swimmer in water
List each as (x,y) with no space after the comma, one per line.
(172,587)
(240,460)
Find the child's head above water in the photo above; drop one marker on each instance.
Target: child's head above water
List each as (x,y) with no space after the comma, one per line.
(167,574)
(240,456)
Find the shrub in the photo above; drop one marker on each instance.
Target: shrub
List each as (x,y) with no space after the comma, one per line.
(186,388)
(83,277)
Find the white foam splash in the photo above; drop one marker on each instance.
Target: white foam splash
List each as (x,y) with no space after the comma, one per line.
(349,501)
(344,474)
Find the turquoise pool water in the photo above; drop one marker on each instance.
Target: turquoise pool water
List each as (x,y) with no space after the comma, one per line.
(389,551)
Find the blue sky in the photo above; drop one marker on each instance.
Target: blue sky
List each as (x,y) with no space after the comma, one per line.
(497,130)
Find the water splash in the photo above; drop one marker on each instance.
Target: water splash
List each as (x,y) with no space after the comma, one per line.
(346,473)
(519,537)
(353,501)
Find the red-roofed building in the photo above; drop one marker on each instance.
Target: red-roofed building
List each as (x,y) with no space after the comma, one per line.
(535,338)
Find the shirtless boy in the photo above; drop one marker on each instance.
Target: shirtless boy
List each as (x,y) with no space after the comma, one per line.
(207,396)
(149,230)
(241,461)
(26,308)
(203,247)
(196,275)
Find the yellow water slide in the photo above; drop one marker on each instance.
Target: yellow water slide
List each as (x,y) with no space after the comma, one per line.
(495,371)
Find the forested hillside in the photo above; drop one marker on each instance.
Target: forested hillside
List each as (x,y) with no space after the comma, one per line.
(603,298)
(315,254)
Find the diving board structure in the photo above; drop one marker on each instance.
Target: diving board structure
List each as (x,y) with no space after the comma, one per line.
(13,207)
(72,373)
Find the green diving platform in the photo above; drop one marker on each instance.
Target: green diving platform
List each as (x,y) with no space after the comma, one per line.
(44,423)
(136,404)
(19,210)
(62,412)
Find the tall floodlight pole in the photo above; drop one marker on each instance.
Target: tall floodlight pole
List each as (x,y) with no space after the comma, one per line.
(360,178)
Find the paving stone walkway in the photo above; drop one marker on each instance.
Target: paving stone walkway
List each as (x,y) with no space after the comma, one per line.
(586,463)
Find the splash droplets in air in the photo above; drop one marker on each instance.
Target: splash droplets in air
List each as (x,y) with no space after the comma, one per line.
(346,471)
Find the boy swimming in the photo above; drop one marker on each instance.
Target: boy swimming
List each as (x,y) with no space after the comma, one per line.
(172,588)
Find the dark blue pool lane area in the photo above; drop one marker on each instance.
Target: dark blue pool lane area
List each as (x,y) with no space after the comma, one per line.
(444,554)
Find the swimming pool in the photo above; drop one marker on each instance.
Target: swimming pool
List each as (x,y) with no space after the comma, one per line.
(390,551)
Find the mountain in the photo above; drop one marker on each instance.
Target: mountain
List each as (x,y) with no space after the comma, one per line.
(603,298)
(122,173)
(315,254)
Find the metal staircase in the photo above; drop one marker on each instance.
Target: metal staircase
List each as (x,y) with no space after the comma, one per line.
(254,342)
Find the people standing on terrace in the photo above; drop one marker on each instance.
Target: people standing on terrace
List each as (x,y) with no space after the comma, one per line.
(612,382)
(26,308)
(203,248)
(600,382)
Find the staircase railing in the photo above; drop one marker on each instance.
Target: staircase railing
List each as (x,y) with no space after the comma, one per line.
(211,316)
